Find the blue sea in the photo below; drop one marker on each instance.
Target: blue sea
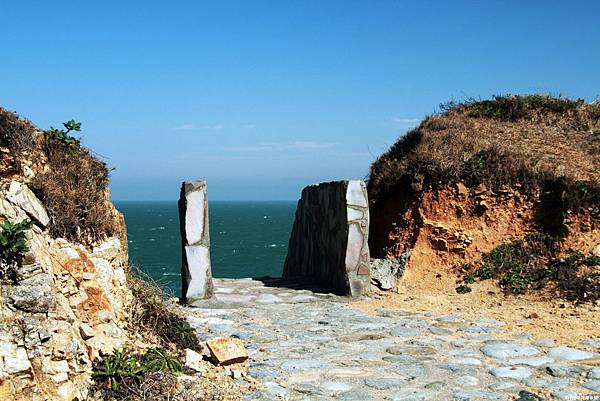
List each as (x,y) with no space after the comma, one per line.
(248,239)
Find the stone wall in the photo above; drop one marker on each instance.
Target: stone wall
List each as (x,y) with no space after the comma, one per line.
(196,277)
(329,240)
(67,305)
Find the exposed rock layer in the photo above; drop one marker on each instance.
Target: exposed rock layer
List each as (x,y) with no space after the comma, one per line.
(67,307)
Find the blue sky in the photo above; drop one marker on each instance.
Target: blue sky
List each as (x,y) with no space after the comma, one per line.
(264,97)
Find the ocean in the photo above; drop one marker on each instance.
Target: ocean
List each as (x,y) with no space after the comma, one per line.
(248,239)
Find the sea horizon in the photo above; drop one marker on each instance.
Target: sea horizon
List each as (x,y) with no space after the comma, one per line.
(248,238)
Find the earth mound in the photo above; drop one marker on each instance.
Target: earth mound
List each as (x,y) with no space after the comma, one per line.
(505,189)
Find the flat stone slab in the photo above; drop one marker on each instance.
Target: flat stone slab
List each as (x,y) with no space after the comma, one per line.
(227,350)
(511,372)
(505,350)
(570,354)
(385,383)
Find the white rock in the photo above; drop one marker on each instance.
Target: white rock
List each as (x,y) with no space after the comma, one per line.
(596,250)
(17,362)
(60,377)
(11,212)
(105,316)
(105,274)
(354,214)
(193,361)
(20,195)
(195,216)
(108,249)
(86,331)
(55,367)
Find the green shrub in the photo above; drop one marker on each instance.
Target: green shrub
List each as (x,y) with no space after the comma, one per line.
(513,107)
(469,279)
(517,280)
(592,261)
(63,136)
(463,289)
(13,245)
(485,272)
(536,260)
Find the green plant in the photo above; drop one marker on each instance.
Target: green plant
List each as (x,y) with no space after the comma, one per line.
(63,136)
(474,168)
(119,367)
(517,280)
(184,333)
(469,279)
(161,360)
(485,272)
(13,245)
(463,289)
(511,108)
(592,261)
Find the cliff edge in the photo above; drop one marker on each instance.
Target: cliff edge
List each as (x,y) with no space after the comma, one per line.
(63,258)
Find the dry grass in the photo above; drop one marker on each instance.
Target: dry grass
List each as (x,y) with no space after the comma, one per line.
(72,183)
(541,144)
(151,313)
(16,134)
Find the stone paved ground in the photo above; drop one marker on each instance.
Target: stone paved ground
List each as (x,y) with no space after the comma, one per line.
(307,345)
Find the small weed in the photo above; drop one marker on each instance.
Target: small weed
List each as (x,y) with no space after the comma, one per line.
(592,261)
(13,245)
(463,289)
(117,368)
(184,333)
(126,369)
(161,360)
(469,279)
(474,168)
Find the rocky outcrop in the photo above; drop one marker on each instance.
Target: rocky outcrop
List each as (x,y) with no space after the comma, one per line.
(386,272)
(196,277)
(329,238)
(67,306)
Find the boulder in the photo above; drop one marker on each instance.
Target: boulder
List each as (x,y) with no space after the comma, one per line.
(385,272)
(193,361)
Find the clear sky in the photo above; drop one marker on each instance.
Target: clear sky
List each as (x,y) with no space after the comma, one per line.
(264,97)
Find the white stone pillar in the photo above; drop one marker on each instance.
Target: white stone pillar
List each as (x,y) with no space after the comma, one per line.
(196,276)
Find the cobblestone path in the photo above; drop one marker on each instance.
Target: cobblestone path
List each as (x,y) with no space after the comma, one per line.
(306,345)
